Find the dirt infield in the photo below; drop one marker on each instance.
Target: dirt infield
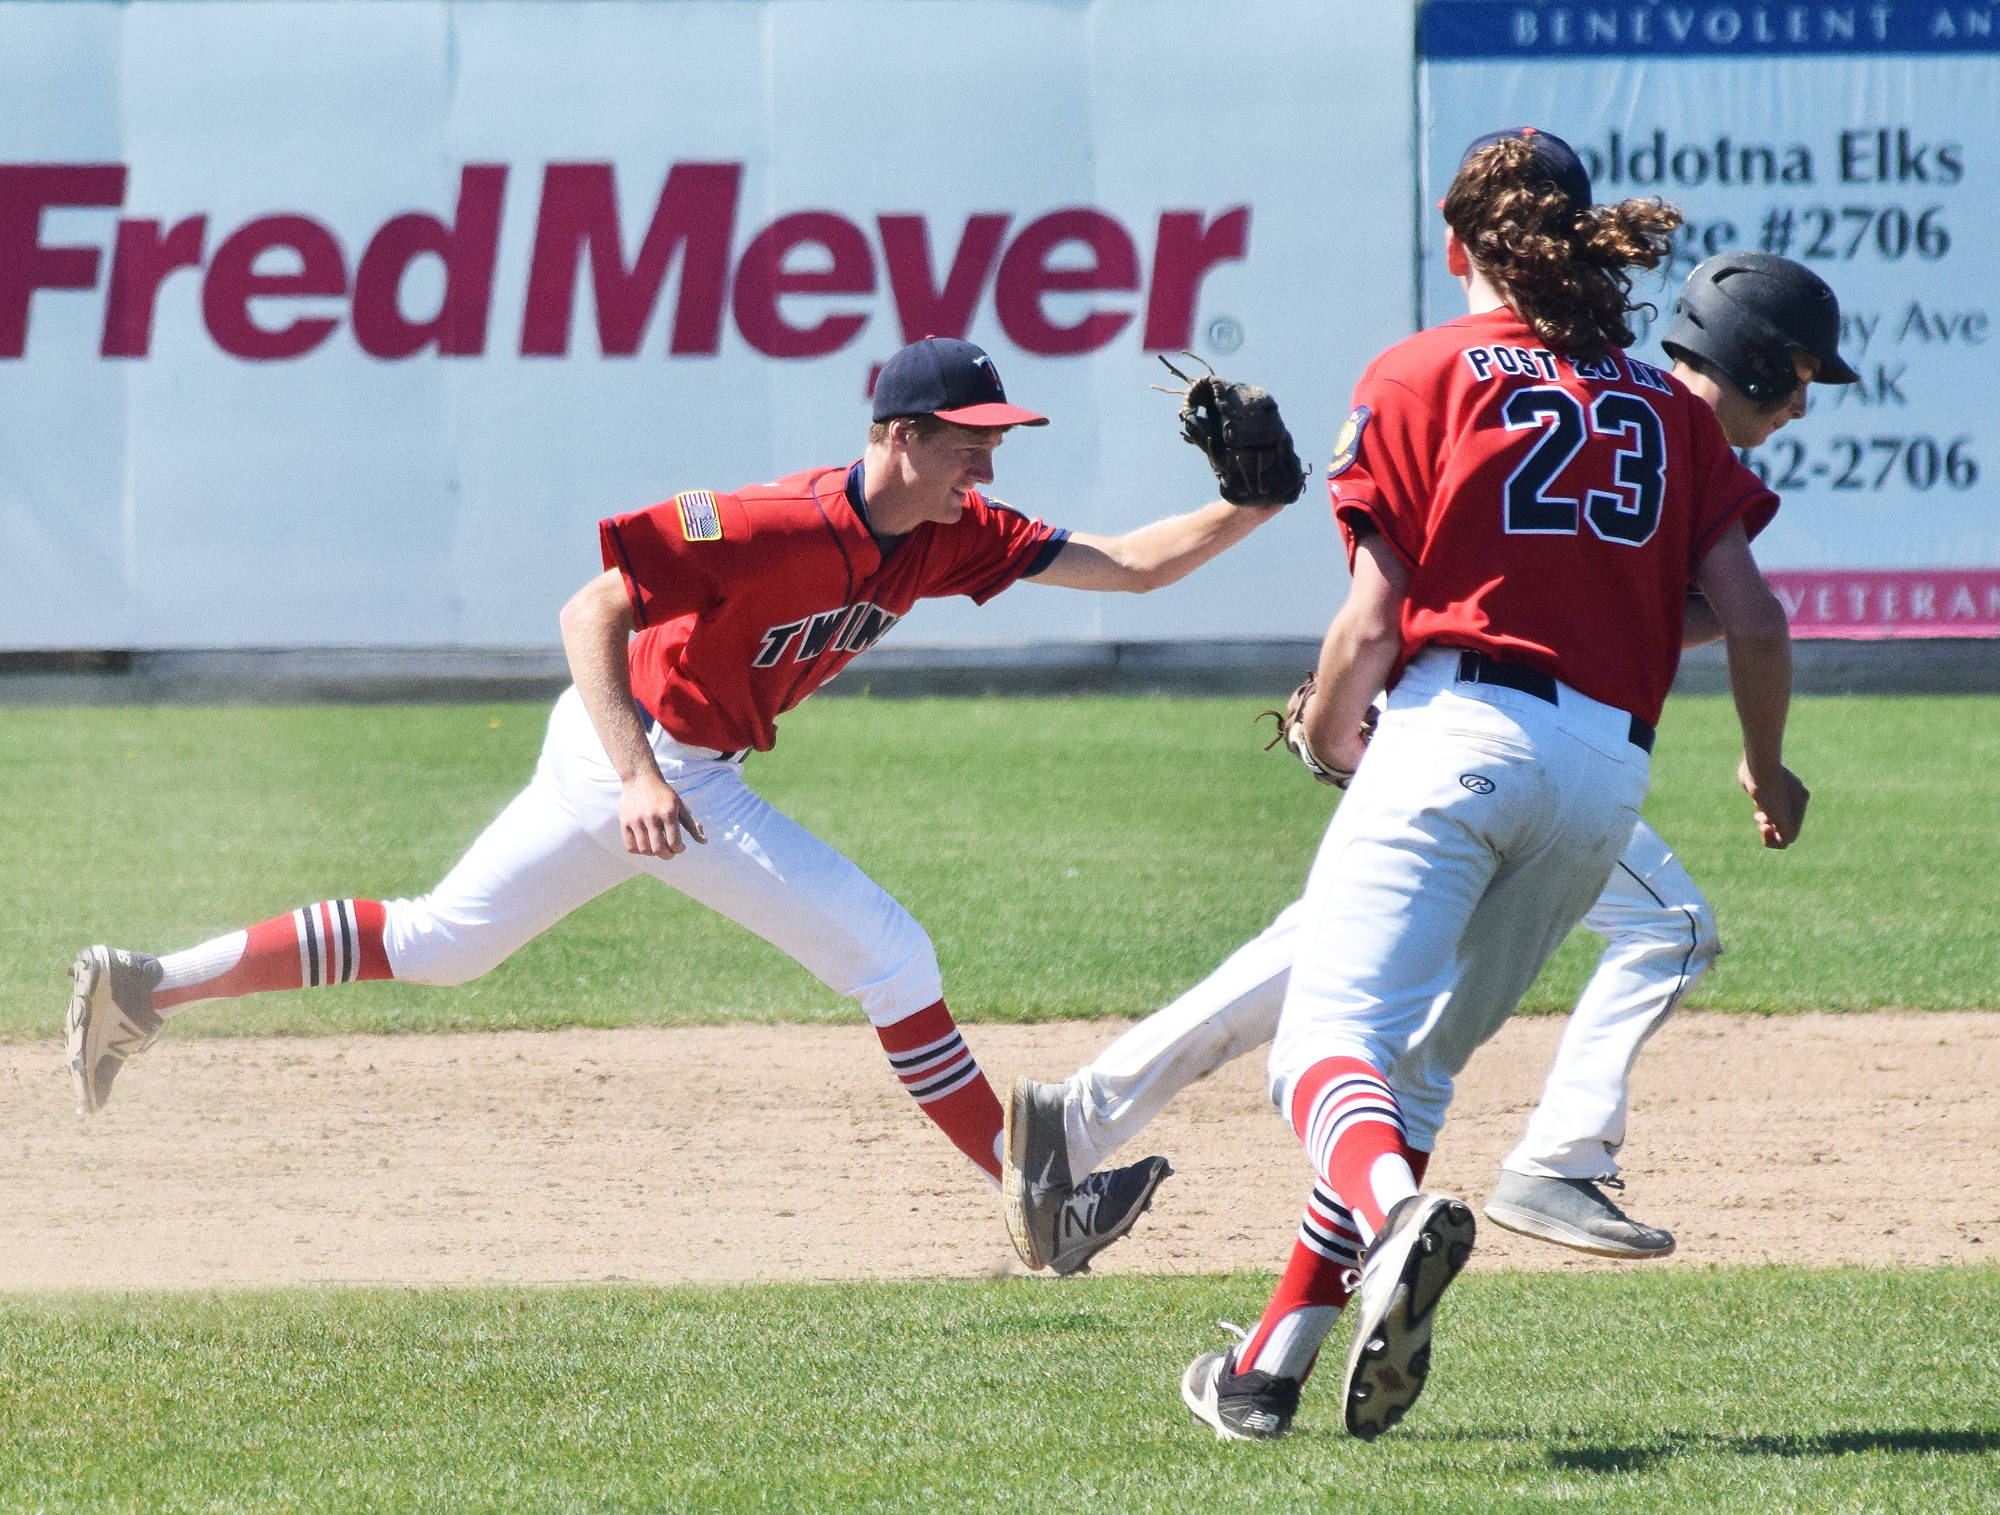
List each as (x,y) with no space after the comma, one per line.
(745,1152)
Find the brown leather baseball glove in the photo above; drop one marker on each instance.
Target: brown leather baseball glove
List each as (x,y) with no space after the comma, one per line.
(1292,732)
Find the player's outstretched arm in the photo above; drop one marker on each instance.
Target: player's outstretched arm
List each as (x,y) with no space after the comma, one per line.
(596,624)
(1758,640)
(1151,557)
(1238,429)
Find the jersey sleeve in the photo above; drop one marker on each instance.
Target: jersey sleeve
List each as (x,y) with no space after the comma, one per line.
(1378,476)
(1726,491)
(988,548)
(673,556)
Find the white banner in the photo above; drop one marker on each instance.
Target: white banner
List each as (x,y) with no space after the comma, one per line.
(342,322)
(1862,140)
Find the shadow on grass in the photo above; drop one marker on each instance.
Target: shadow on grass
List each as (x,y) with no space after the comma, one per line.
(1829,1444)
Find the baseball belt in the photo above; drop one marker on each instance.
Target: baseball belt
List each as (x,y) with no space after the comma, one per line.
(1479,668)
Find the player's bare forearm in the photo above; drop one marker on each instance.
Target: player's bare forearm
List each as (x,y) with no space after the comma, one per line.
(1355,659)
(596,625)
(1757,638)
(1699,625)
(1759,644)
(1760,682)
(1153,556)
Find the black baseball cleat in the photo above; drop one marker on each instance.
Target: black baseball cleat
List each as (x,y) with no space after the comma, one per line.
(1034,1167)
(1424,1242)
(1098,1211)
(1052,1221)
(1238,1406)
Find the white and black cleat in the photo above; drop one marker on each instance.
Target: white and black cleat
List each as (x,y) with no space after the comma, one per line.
(1238,1406)
(1424,1243)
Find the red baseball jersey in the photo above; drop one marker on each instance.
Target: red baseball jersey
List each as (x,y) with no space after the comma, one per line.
(1552,510)
(748,602)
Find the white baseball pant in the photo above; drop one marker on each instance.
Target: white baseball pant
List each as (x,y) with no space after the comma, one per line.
(1660,936)
(1484,823)
(558,846)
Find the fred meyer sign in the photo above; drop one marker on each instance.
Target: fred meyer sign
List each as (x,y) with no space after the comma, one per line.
(341,322)
(268,287)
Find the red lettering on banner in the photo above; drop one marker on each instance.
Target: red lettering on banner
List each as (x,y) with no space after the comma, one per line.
(1026,275)
(1186,249)
(923,309)
(26,190)
(1874,603)
(761,278)
(139,267)
(688,242)
(467,248)
(695,216)
(233,282)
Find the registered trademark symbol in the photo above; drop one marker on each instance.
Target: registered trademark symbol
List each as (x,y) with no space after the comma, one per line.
(1224,334)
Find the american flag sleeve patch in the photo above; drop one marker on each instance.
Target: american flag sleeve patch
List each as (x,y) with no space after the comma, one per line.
(700,520)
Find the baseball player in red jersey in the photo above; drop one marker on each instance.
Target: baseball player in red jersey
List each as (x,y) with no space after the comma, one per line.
(1750,333)
(715,613)
(1526,509)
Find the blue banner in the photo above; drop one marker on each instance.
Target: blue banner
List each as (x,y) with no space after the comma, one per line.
(1877,169)
(1536,29)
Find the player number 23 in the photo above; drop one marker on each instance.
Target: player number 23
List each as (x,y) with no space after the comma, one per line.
(1628,515)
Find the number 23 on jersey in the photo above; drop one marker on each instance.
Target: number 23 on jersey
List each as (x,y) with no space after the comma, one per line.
(1541,496)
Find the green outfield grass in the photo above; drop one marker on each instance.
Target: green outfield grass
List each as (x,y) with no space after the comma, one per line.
(1070,857)
(1677,1390)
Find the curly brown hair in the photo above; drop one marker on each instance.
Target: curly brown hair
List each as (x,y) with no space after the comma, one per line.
(1563,267)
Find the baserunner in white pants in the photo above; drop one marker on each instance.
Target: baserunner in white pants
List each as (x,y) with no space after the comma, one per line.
(1750,331)
(1661,936)
(1525,509)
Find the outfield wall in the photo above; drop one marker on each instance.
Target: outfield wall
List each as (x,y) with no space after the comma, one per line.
(339,322)
(1858,139)
(342,323)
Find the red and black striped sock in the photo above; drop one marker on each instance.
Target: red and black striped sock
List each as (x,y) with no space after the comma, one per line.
(1324,1271)
(1352,1126)
(938,1069)
(332,942)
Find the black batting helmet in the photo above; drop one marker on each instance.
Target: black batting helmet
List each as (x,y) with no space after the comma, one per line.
(1745,313)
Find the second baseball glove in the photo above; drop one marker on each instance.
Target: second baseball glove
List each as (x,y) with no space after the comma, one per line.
(1238,428)
(1292,732)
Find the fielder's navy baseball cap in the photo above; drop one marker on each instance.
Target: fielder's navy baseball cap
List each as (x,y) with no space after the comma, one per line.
(949,379)
(1553,156)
